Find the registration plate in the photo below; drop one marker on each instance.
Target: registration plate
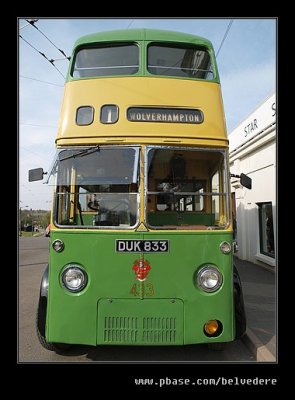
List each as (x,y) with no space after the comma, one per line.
(142,246)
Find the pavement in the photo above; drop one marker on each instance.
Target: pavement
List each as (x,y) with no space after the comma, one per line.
(259,289)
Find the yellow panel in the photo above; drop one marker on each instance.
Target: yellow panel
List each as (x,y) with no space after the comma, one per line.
(142,91)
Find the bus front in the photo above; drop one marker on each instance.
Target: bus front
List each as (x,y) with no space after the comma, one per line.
(141,246)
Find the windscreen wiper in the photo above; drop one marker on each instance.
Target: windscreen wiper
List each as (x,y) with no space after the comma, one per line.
(82,153)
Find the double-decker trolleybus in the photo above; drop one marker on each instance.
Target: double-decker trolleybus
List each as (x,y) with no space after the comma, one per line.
(141,242)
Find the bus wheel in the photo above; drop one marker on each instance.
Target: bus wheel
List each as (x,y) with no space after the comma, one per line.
(217,346)
(40,329)
(240,315)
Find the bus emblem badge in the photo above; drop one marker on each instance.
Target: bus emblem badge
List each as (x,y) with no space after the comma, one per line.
(141,269)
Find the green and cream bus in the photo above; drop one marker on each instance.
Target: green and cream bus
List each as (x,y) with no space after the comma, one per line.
(141,241)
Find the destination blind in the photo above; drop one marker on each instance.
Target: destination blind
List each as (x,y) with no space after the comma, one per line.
(174,115)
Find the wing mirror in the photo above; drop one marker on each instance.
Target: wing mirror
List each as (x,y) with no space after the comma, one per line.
(36,174)
(244,179)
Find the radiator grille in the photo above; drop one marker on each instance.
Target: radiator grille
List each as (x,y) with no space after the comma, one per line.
(159,330)
(140,322)
(134,329)
(120,329)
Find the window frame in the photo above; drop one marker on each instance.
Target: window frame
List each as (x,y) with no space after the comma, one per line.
(103,45)
(85,106)
(181,45)
(261,223)
(117,114)
(185,148)
(56,208)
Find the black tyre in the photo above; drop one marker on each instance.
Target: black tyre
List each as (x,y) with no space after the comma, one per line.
(217,346)
(240,314)
(40,329)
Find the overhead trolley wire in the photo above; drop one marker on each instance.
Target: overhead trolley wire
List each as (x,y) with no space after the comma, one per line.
(38,155)
(43,55)
(224,37)
(32,23)
(130,23)
(39,80)
(35,20)
(42,126)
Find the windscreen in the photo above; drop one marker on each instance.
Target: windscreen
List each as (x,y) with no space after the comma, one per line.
(186,189)
(97,187)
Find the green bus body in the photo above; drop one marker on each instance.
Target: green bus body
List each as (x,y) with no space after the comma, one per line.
(102,313)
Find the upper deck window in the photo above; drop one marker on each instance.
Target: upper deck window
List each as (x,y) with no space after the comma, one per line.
(106,61)
(178,60)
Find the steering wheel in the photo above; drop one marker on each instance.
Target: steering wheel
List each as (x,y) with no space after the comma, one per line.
(93,205)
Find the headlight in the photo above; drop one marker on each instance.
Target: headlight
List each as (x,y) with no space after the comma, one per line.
(225,247)
(74,278)
(58,245)
(209,278)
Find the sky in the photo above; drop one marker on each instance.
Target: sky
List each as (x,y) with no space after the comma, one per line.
(246,64)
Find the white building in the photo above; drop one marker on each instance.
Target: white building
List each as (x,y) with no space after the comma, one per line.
(252,146)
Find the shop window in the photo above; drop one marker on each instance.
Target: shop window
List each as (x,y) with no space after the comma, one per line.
(266,229)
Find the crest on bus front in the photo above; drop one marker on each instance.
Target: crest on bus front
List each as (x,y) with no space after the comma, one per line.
(141,269)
